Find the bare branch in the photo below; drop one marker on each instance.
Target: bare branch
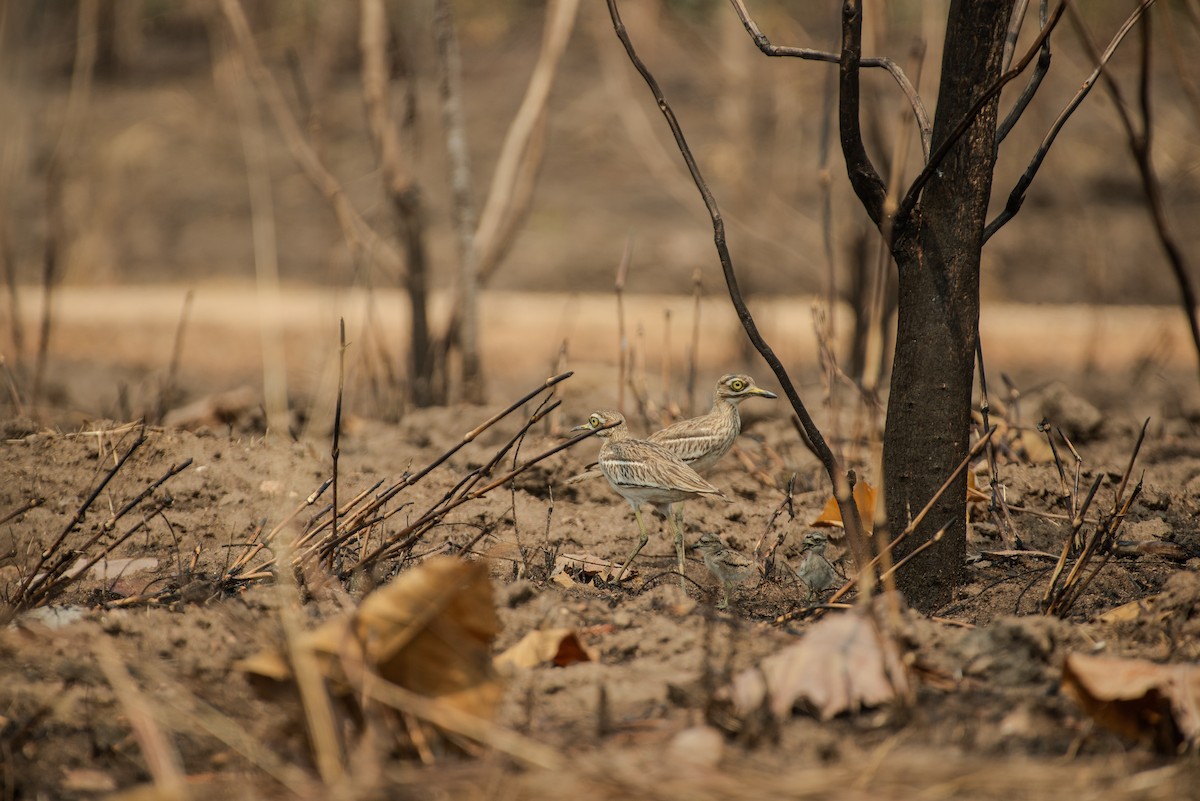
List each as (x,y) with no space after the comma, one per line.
(1140,146)
(1035,81)
(944,148)
(894,69)
(359,235)
(1017,196)
(519,152)
(863,175)
(466,303)
(1015,21)
(842,492)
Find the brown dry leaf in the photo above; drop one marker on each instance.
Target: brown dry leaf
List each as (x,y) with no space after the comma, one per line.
(842,664)
(974,493)
(558,647)
(1130,611)
(1034,446)
(87,780)
(1137,698)
(429,631)
(589,565)
(864,499)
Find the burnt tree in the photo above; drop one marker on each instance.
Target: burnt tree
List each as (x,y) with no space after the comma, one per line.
(936,240)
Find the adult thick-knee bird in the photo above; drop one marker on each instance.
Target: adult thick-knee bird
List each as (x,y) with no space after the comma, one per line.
(644,472)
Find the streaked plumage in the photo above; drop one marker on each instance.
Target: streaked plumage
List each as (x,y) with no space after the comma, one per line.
(702,441)
(643,472)
(729,566)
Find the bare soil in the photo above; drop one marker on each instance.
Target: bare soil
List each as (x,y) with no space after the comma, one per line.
(154,204)
(989,720)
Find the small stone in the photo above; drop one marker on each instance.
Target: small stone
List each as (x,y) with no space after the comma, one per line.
(699,746)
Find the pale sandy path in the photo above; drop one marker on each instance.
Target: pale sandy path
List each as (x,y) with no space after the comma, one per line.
(133,326)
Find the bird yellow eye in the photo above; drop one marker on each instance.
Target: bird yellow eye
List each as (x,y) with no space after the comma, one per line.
(594,421)
(737,385)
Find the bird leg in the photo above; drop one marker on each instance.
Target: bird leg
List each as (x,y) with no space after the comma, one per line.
(676,522)
(725,601)
(637,513)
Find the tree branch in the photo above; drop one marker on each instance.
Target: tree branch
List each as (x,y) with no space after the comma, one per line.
(358,234)
(1140,146)
(1035,81)
(939,155)
(1017,197)
(863,176)
(842,492)
(894,69)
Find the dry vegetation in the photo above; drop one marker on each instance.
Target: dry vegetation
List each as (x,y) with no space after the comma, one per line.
(288,582)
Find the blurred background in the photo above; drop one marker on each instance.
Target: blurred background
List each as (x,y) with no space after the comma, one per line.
(196,191)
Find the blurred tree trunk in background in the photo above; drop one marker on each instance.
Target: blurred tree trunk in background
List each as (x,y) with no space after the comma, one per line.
(403,192)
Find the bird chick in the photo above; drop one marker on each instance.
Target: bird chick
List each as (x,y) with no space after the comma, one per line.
(729,566)
(815,571)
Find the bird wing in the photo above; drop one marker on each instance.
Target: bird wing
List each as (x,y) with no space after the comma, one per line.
(637,463)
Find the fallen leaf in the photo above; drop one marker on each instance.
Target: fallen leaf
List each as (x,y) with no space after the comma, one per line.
(87,780)
(864,499)
(974,493)
(842,664)
(429,631)
(588,565)
(1137,698)
(558,647)
(1130,611)
(1033,446)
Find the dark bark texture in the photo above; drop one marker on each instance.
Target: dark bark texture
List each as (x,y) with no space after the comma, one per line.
(937,252)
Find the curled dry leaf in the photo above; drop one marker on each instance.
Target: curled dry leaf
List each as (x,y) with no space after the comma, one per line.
(429,631)
(1137,698)
(558,647)
(864,499)
(587,565)
(843,663)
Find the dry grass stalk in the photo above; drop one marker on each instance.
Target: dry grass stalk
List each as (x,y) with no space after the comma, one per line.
(336,449)
(162,759)
(55,550)
(369,509)
(314,696)
(1059,599)
(622,337)
(694,350)
(168,389)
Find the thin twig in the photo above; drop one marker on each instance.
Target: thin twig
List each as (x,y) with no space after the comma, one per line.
(1035,80)
(32,581)
(1140,146)
(622,338)
(1017,197)
(336,450)
(832,466)
(167,392)
(893,69)
(946,145)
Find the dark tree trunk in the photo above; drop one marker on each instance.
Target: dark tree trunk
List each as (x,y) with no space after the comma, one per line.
(420,354)
(937,253)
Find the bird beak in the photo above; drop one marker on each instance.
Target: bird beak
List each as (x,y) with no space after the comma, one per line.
(762,393)
(584,427)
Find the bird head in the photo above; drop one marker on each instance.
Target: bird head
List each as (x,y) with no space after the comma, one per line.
(603,421)
(736,388)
